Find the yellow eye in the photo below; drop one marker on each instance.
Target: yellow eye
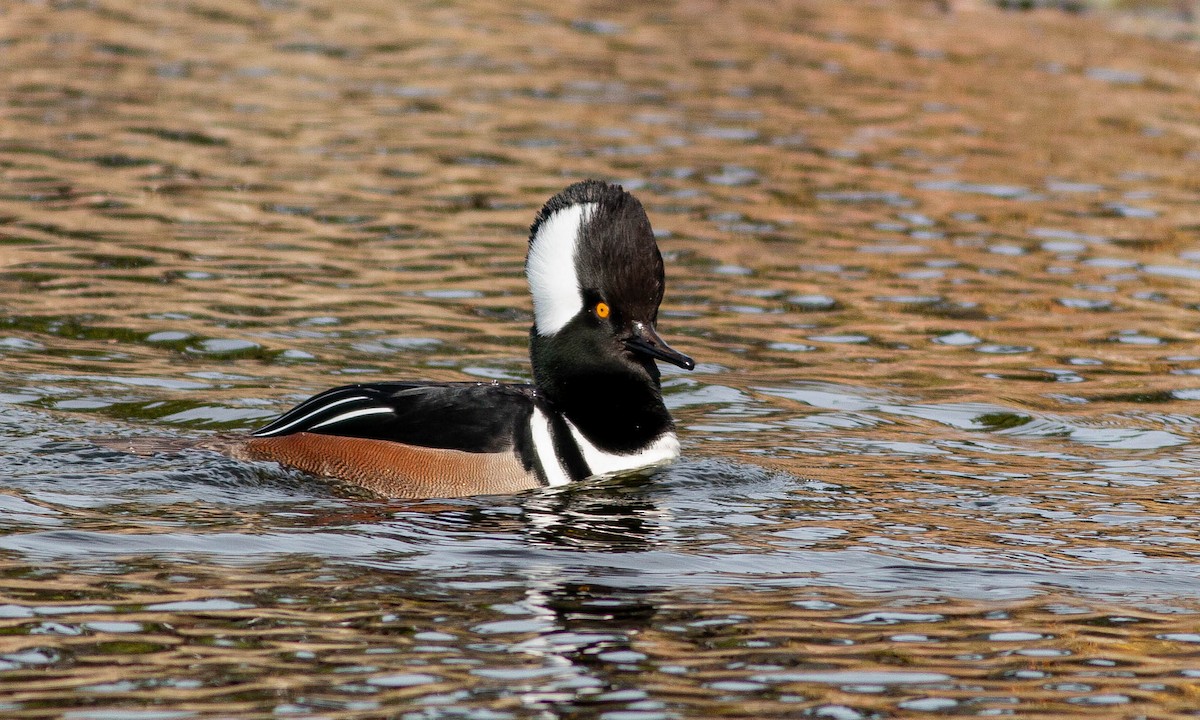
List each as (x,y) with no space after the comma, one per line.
(602,310)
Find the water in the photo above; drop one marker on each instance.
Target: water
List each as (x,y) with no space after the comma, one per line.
(938,271)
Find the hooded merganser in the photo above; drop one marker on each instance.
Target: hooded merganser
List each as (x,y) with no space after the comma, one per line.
(595,407)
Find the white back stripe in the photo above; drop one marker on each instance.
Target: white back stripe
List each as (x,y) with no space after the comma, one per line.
(664,450)
(351,415)
(318,411)
(543,446)
(550,268)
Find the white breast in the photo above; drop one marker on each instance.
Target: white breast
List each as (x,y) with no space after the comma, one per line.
(543,446)
(664,450)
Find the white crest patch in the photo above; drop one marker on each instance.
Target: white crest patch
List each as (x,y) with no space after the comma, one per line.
(553,282)
(664,450)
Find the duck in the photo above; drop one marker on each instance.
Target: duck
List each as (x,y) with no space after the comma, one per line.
(595,407)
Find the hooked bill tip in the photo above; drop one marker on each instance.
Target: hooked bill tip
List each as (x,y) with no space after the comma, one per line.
(647,342)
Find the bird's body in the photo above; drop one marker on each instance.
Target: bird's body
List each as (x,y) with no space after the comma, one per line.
(595,407)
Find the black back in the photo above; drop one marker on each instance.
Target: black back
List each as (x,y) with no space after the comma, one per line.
(475,417)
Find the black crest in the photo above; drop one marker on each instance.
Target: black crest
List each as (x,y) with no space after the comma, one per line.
(616,254)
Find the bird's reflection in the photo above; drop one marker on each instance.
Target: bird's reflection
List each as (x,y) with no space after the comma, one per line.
(617,515)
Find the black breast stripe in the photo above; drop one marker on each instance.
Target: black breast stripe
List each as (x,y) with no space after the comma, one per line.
(526,449)
(567,449)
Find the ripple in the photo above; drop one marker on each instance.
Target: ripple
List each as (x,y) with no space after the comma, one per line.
(733,176)
(865,196)
(224,346)
(957,339)
(813,302)
(854,677)
(403,680)
(1008,192)
(842,339)
(998,349)
(1115,76)
(1085,304)
(1173,271)
(168,336)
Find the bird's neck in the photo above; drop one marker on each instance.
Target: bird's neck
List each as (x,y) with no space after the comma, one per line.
(618,407)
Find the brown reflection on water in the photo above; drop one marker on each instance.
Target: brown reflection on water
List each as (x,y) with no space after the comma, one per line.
(902,198)
(296,639)
(939,269)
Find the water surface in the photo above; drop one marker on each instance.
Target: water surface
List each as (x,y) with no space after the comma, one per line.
(938,270)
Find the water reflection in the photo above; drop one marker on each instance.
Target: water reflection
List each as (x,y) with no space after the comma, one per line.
(554,646)
(865,526)
(938,449)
